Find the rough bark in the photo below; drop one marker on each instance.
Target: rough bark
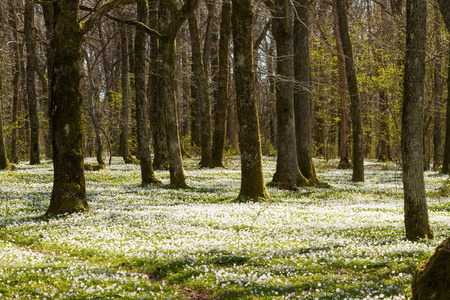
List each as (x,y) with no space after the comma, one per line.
(157,117)
(252,180)
(69,191)
(302,94)
(124,148)
(145,158)
(30,43)
(4,162)
(416,212)
(352,85)
(287,171)
(200,79)
(220,115)
(344,160)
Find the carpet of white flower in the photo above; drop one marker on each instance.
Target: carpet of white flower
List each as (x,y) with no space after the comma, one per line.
(341,242)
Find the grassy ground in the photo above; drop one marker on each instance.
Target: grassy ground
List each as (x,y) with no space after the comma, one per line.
(342,242)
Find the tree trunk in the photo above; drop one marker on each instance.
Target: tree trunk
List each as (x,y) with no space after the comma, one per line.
(69,191)
(203,100)
(220,115)
(416,211)
(437,92)
(30,43)
(15,82)
(147,173)
(157,117)
(124,148)
(252,180)
(287,171)
(352,85)
(344,160)
(385,148)
(4,163)
(302,95)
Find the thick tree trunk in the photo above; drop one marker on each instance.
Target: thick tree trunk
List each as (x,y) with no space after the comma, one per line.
(302,96)
(287,171)
(220,115)
(147,173)
(69,191)
(30,42)
(416,212)
(352,85)
(344,160)
(155,88)
(252,180)
(203,100)
(124,148)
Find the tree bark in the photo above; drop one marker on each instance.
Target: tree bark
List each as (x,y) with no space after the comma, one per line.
(352,85)
(416,212)
(147,173)
(124,148)
(69,191)
(30,43)
(4,162)
(302,94)
(287,171)
(252,180)
(220,115)
(344,160)
(15,82)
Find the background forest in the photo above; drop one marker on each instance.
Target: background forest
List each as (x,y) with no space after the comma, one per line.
(333,103)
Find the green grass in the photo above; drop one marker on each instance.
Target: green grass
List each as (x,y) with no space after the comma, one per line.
(340,242)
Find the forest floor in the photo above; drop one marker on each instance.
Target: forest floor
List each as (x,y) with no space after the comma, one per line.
(341,242)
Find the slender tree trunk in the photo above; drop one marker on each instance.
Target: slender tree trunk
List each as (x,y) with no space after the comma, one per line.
(125,111)
(252,180)
(69,191)
(287,171)
(4,162)
(15,82)
(416,212)
(202,92)
(147,173)
(30,43)
(352,84)
(344,160)
(220,115)
(437,92)
(385,148)
(302,96)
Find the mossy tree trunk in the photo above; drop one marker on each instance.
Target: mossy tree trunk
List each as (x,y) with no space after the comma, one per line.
(202,97)
(344,160)
(168,53)
(252,180)
(147,173)
(352,85)
(220,115)
(302,95)
(30,43)
(157,18)
(416,212)
(69,191)
(287,171)
(124,148)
